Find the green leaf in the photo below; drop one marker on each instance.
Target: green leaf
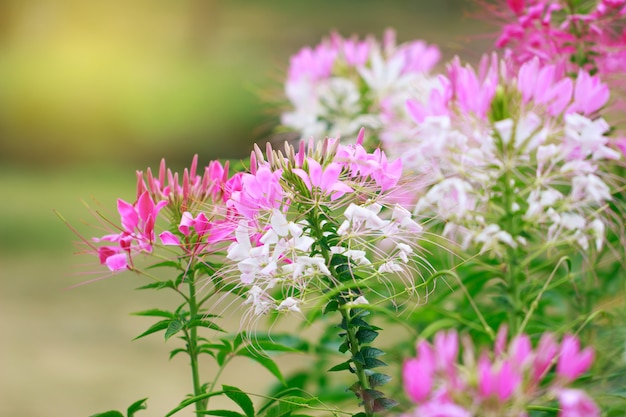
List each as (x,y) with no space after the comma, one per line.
(287,405)
(221,413)
(109,414)
(333,305)
(378,379)
(344,347)
(171,264)
(382,404)
(136,406)
(157,327)
(343,366)
(176,352)
(157,285)
(373,363)
(155,312)
(370,352)
(240,398)
(366,335)
(174,327)
(361,414)
(264,361)
(205,323)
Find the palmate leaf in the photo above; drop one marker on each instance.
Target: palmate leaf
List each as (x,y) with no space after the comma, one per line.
(240,398)
(205,323)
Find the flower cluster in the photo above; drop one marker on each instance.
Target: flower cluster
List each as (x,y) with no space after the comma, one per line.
(304,213)
(197,212)
(343,84)
(577,35)
(282,224)
(500,143)
(503,383)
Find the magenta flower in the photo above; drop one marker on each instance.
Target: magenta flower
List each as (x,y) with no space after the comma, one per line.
(418,373)
(575,403)
(326,179)
(261,190)
(573,362)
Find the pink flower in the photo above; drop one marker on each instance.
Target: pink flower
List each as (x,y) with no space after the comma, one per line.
(516,5)
(501,380)
(572,361)
(313,64)
(418,373)
(261,190)
(326,179)
(544,355)
(575,403)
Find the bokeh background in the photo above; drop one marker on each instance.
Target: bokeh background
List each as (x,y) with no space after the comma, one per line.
(91,91)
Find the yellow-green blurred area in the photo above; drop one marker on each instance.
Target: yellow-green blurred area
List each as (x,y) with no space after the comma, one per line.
(91,91)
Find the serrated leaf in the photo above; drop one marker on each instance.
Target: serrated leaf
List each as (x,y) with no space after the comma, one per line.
(372,394)
(157,327)
(382,404)
(240,398)
(341,367)
(136,406)
(221,413)
(108,414)
(371,363)
(287,405)
(155,312)
(366,335)
(265,362)
(378,379)
(174,327)
(371,352)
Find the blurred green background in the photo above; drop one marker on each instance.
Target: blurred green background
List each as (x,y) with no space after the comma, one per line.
(91,91)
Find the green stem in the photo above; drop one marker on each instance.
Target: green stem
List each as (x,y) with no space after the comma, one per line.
(346,313)
(354,350)
(512,263)
(192,343)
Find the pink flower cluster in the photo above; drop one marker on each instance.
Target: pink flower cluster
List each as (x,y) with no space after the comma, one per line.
(195,232)
(501,384)
(575,34)
(479,126)
(344,84)
(275,252)
(258,219)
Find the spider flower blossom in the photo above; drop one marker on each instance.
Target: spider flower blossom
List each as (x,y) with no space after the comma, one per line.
(502,383)
(318,205)
(579,35)
(137,232)
(344,84)
(534,150)
(199,219)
